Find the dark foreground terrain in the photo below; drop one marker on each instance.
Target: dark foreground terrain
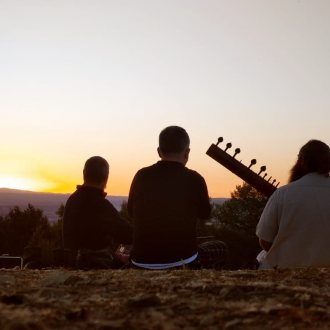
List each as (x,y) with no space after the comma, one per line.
(181,299)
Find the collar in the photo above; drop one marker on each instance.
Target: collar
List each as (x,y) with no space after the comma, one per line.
(92,190)
(170,163)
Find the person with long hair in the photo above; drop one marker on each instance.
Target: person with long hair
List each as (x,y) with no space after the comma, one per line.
(294,228)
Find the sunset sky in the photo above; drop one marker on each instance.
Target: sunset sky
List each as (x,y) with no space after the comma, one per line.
(80,78)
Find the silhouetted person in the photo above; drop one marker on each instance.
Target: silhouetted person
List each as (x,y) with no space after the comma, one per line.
(165,201)
(294,228)
(91,224)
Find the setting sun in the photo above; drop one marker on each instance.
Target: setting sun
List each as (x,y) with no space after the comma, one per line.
(65,98)
(23,183)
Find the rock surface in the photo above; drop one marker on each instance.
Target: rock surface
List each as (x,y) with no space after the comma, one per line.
(164,300)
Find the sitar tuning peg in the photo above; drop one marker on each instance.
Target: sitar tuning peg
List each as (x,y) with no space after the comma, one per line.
(273,181)
(262,169)
(264,175)
(269,178)
(237,151)
(253,162)
(277,184)
(228,145)
(220,139)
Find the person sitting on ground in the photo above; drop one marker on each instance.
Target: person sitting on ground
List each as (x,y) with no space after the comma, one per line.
(165,202)
(92,227)
(294,227)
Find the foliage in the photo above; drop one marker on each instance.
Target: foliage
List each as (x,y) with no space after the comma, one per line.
(28,233)
(18,227)
(234,222)
(57,226)
(241,213)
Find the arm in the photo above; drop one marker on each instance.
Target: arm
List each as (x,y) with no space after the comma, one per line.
(265,245)
(204,210)
(268,225)
(131,194)
(119,229)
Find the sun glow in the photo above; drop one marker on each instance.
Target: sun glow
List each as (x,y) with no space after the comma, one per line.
(23,183)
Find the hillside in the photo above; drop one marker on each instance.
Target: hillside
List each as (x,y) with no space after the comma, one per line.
(164,300)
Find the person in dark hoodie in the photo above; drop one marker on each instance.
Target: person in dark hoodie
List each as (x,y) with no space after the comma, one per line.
(92,227)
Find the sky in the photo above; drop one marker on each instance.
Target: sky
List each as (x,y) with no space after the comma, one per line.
(80,78)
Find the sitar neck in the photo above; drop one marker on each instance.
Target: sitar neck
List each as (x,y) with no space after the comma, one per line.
(259,180)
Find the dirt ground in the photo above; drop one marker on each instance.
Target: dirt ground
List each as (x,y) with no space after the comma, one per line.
(177,299)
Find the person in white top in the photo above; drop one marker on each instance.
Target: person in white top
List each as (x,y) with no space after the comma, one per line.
(294,228)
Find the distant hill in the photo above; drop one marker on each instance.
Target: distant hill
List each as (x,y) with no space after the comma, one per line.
(219,201)
(50,202)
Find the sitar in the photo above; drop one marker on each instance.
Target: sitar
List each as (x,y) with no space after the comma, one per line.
(259,180)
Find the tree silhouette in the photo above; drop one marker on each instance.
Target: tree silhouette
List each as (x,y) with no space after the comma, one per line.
(242,211)
(235,223)
(28,233)
(18,226)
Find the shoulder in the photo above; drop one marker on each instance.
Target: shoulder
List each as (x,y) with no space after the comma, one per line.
(106,201)
(309,180)
(145,171)
(280,193)
(73,198)
(194,173)
(195,176)
(108,207)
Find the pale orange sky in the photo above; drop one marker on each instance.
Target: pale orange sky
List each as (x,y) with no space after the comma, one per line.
(82,78)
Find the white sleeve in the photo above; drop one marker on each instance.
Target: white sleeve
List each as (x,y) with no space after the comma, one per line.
(268,225)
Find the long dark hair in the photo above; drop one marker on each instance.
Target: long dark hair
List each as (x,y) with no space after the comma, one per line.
(314,156)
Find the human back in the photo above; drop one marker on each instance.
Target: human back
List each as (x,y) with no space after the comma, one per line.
(92,227)
(302,239)
(165,202)
(295,225)
(165,207)
(86,222)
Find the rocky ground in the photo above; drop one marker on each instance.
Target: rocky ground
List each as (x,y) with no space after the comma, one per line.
(180,299)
